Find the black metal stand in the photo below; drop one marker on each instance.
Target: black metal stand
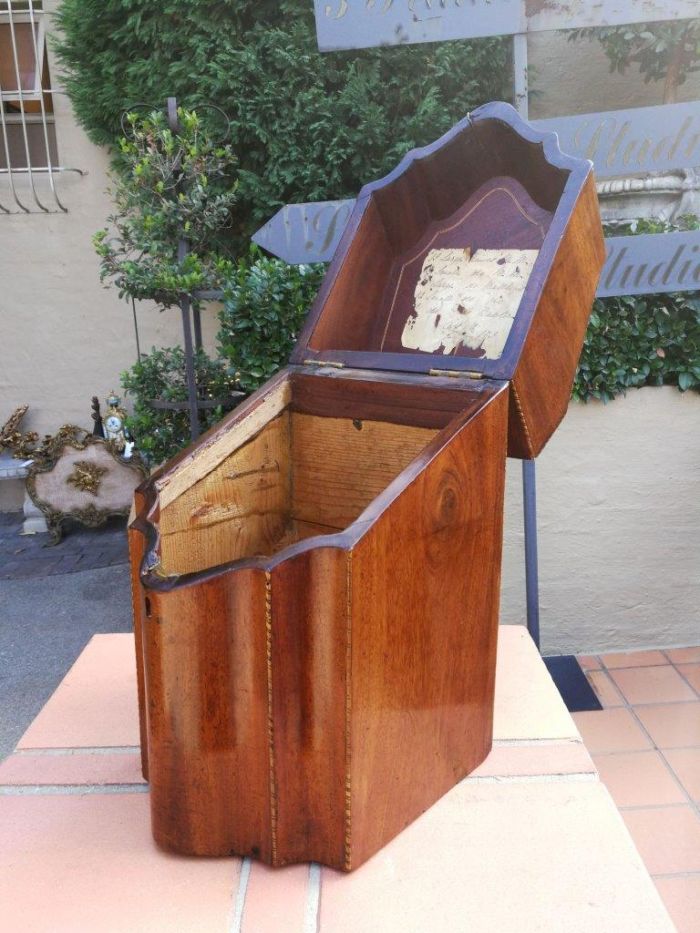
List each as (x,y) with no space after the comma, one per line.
(185,309)
(531,565)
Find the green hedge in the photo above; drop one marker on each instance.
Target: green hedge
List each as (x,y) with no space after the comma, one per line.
(644,340)
(636,341)
(264,307)
(305,126)
(160,374)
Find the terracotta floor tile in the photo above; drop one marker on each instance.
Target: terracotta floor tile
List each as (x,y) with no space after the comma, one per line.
(686,763)
(691,672)
(682,899)
(122,768)
(673,725)
(611,730)
(683,655)
(88,864)
(589,662)
(275,899)
(652,685)
(633,659)
(605,689)
(95,704)
(668,838)
(490,858)
(638,779)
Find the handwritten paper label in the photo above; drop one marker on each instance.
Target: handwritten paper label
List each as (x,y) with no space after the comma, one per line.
(467,301)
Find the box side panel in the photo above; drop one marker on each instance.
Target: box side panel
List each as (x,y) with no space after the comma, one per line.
(424,609)
(307,652)
(541,387)
(205,685)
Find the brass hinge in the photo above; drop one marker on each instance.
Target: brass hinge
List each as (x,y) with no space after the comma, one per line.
(455,373)
(333,363)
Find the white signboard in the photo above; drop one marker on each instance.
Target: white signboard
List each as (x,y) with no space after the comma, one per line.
(357,24)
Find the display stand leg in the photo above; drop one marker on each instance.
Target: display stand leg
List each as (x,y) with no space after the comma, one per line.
(197,321)
(189,353)
(532,587)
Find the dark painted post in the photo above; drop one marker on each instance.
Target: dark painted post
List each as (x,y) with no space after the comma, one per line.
(185,307)
(532,585)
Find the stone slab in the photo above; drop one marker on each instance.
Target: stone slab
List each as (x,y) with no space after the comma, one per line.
(96,704)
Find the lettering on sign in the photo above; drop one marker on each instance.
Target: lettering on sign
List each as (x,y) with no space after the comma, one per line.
(619,142)
(654,262)
(356,24)
(467,301)
(636,265)
(300,233)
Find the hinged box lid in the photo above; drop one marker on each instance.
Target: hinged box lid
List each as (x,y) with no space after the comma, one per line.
(478,254)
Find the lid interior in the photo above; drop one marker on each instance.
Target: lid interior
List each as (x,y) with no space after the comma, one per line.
(486,186)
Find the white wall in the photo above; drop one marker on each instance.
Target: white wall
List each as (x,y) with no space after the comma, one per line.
(619,526)
(619,486)
(64,337)
(574,77)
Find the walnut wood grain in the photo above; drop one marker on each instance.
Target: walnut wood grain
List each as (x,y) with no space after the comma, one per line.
(316,580)
(541,386)
(206,683)
(253,686)
(423,632)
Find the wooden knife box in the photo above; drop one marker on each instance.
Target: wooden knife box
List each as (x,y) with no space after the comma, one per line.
(316,580)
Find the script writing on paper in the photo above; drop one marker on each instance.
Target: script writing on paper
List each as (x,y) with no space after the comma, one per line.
(465,300)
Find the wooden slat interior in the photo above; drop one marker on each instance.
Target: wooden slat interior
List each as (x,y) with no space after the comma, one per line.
(241,508)
(302,475)
(341,465)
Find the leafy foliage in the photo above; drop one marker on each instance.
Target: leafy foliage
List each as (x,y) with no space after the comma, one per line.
(306,126)
(635,341)
(666,51)
(645,340)
(169,186)
(265,303)
(161,433)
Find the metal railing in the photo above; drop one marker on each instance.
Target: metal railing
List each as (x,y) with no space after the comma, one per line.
(28,153)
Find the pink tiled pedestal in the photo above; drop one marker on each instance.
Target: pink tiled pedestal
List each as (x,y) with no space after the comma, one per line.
(531,842)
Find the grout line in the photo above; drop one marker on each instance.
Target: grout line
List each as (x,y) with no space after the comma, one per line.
(63,790)
(611,684)
(686,681)
(651,806)
(573,776)
(632,709)
(236,925)
(313,900)
(82,750)
(665,763)
(641,751)
(655,703)
(533,743)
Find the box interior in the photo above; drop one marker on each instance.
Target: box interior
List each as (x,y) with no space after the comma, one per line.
(305,472)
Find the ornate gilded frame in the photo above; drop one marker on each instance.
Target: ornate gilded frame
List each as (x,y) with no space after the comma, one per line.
(92,516)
